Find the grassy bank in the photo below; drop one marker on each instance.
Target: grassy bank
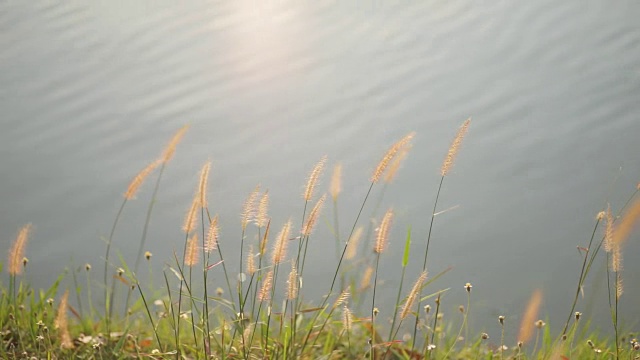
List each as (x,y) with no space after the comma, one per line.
(262,313)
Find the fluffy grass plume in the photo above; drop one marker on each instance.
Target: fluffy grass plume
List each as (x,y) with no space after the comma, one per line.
(447,164)
(395,164)
(262,216)
(347,318)
(626,225)
(251,262)
(527,324)
(366,278)
(336,182)
(313,217)
(352,247)
(61,322)
(342,298)
(292,283)
(250,207)
(16,253)
(211,242)
(281,244)
(202,185)
(191,218)
(139,179)
(191,256)
(413,295)
(382,236)
(170,149)
(265,290)
(608,232)
(312,181)
(390,155)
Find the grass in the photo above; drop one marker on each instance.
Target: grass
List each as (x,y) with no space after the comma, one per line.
(249,318)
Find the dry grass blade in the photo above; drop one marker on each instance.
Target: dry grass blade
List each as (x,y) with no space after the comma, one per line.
(16,253)
(447,164)
(528,319)
(138,180)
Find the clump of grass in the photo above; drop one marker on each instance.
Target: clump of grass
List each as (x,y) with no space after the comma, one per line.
(255,320)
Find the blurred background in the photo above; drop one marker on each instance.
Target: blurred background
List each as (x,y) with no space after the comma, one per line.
(90,93)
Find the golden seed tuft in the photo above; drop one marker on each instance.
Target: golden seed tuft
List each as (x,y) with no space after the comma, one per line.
(251,263)
(336,182)
(249,209)
(530,314)
(87,267)
(313,217)
(281,244)
(191,218)
(447,164)
(147,255)
(211,242)
(393,151)
(61,322)
(265,290)
(191,256)
(413,295)
(202,186)
(468,287)
(138,180)
(352,246)
(292,283)
(501,319)
(347,318)
(263,206)
(16,253)
(312,181)
(170,149)
(383,232)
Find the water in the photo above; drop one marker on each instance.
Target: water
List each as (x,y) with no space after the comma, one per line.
(90,93)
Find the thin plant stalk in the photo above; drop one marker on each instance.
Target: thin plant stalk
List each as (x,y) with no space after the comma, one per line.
(426,253)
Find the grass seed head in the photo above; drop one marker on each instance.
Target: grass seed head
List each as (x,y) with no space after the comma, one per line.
(139,179)
(447,164)
(16,253)
(312,181)
(336,182)
(393,151)
(170,149)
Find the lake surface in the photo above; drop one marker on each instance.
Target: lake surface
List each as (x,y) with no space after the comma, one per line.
(90,93)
